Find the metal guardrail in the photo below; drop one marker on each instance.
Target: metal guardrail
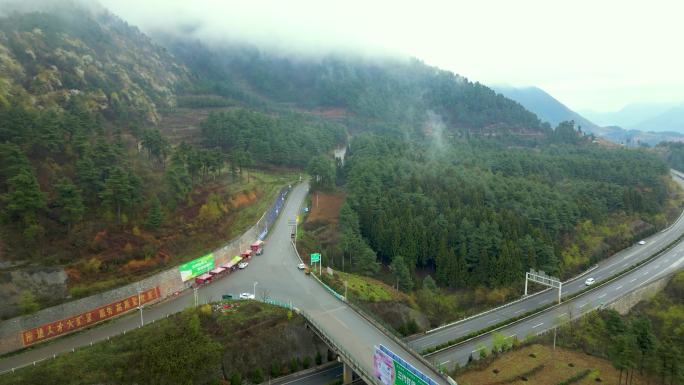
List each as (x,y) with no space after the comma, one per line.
(581,293)
(348,357)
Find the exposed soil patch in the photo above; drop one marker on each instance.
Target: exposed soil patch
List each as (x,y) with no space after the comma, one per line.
(325,207)
(183,124)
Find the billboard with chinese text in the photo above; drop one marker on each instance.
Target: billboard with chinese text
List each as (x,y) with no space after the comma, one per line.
(67,325)
(196,267)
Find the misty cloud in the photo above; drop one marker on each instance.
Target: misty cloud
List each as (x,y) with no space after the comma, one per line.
(590,55)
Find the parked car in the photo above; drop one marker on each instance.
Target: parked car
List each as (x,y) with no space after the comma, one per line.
(642,242)
(247,296)
(242,265)
(301,266)
(589,281)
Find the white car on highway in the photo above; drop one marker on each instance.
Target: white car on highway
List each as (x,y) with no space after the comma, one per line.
(589,281)
(642,242)
(242,265)
(301,266)
(247,296)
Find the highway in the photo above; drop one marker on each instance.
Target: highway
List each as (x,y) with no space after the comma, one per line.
(615,264)
(547,320)
(277,277)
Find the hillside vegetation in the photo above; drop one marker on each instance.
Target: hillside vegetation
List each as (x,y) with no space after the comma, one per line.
(244,342)
(444,177)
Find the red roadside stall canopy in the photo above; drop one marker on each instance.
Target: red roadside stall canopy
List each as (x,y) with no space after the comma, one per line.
(257,246)
(206,277)
(233,262)
(246,254)
(218,270)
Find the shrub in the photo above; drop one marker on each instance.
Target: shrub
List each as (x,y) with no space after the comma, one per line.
(306,363)
(294,364)
(235,379)
(319,358)
(275,369)
(258,376)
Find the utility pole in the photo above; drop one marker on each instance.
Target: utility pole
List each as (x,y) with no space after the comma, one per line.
(194,289)
(254,290)
(140,307)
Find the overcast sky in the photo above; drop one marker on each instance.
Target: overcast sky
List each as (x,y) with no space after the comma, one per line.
(590,54)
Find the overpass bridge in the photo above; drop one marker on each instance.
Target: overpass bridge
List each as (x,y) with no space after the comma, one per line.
(355,337)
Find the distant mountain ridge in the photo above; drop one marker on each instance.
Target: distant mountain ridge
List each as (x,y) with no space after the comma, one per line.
(672,120)
(545,106)
(628,116)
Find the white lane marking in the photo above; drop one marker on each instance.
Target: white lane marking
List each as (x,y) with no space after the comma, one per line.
(492,321)
(445,362)
(612,264)
(625,265)
(466,331)
(519,311)
(538,325)
(633,280)
(619,287)
(602,295)
(562,314)
(511,336)
(480,348)
(584,304)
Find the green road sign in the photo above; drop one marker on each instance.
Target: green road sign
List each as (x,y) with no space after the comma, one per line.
(315,257)
(406,377)
(196,267)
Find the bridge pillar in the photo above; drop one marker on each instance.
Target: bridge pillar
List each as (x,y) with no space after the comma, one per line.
(347,374)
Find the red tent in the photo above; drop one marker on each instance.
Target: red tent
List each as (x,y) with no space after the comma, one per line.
(206,277)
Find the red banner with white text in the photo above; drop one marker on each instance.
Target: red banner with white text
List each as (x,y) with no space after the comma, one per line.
(57,328)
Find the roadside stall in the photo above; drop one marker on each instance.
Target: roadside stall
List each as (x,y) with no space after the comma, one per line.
(217,271)
(257,247)
(247,254)
(204,278)
(232,264)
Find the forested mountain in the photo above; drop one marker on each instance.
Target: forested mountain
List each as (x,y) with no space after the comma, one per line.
(546,106)
(482,212)
(387,94)
(71,52)
(443,172)
(89,180)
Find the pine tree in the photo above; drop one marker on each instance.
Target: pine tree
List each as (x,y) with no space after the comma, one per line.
(429,284)
(118,190)
(401,273)
(69,203)
(155,217)
(24,201)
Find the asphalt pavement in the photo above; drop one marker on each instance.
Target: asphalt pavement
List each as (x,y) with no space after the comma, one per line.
(274,274)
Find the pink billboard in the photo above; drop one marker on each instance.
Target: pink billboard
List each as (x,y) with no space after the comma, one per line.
(383,367)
